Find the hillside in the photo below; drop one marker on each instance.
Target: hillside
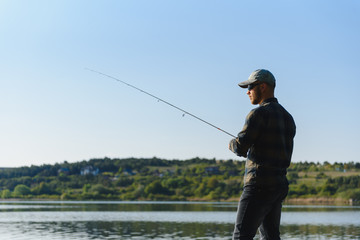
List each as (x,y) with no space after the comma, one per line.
(159,179)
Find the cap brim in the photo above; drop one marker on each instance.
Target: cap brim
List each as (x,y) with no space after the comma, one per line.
(246,83)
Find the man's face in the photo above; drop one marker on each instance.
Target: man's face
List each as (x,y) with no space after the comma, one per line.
(254,94)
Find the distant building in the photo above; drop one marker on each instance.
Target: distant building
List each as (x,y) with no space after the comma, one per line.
(128,172)
(157,173)
(65,171)
(170,172)
(212,170)
(233,172)
(89,170)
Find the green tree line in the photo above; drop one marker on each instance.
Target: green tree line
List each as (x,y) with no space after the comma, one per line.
(159,179)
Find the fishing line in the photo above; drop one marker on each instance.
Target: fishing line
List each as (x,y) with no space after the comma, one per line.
(161,100)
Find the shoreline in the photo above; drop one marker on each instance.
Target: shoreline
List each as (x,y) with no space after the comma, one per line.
(290,201)
(320,201)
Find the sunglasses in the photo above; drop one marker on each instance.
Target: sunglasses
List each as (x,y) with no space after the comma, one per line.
(251,86)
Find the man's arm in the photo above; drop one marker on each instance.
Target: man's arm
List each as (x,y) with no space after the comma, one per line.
(248,134)
(235,148)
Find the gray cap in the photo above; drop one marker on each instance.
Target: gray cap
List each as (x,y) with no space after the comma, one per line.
(260,75)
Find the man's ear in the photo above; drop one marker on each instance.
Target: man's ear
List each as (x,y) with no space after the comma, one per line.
(263,87)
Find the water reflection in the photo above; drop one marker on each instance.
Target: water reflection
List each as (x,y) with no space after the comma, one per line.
(117,206)
(159,230)
(115,230)
(169,220)
(320,232)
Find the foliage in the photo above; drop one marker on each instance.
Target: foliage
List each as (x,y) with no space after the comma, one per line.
(21,190)
(5,194)
(159,179)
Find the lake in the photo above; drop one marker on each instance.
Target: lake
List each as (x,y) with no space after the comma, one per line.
(50,220)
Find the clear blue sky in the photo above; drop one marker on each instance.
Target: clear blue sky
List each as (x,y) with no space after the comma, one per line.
(190,53)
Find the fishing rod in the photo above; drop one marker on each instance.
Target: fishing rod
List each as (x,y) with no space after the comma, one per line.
(161,100)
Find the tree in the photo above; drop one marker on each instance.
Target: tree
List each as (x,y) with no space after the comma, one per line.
(6,194)
(212,183)
(201,190)
(321,175)
(42,188)
(21,190)
(86,188)
(99,189)
(292,177)
(156,188)
(327,189)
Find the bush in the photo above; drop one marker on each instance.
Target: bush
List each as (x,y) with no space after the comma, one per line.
(100,189)
(292,177)
(21,190)
(124,182)
(6,194)
(156,188)
(321,175)
(327,190)
(355,195)
(42,188)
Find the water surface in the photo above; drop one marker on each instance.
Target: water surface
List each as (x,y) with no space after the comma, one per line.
(52,220)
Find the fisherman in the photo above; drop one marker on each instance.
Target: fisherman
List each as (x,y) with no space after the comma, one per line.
(266,140)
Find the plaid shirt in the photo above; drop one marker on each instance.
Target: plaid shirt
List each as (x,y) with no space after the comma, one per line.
(267,141)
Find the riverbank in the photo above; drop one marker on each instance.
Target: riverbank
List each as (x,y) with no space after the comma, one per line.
(321,201)
(288,201)
(299,201)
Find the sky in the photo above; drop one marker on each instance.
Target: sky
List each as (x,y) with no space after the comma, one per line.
(189,53)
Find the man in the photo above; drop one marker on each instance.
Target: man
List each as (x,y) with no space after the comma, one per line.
(266,140)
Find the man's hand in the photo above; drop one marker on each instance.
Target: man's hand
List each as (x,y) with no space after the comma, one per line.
(233,146)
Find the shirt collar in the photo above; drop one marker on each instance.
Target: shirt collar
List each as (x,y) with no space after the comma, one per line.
(269,100)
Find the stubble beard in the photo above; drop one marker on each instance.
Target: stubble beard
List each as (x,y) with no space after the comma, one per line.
(256,97)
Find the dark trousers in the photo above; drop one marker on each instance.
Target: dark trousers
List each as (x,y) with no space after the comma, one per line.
(259,207)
